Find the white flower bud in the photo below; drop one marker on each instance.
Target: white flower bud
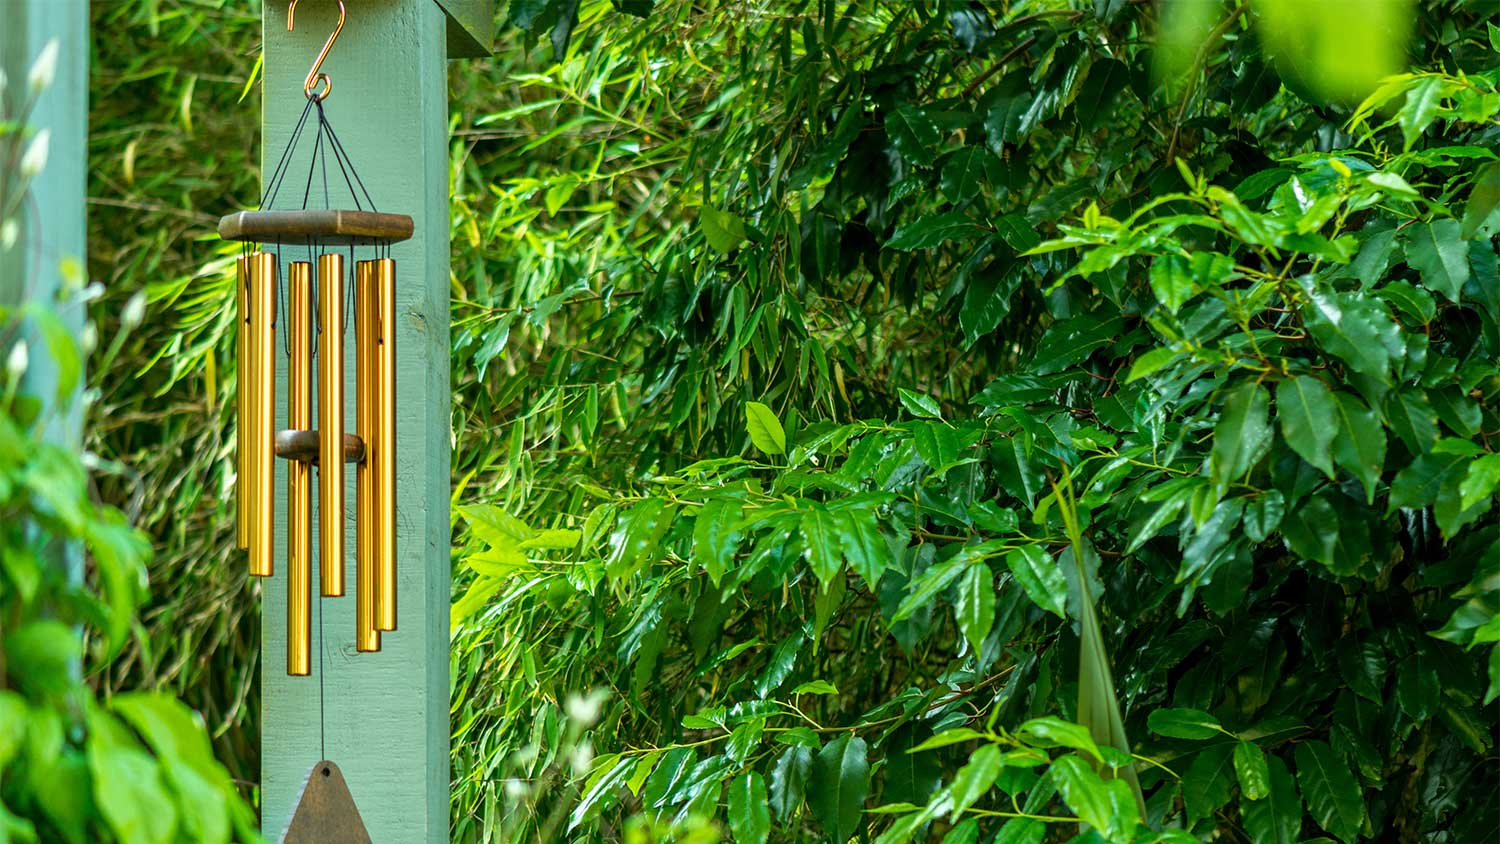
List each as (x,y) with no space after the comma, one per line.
(581,759)
(18,360)
(584,711)
(35,157)
(134,312)
(88,339)
(44,69)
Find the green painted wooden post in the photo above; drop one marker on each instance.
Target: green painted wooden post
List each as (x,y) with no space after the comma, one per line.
(384,716)
(52,223)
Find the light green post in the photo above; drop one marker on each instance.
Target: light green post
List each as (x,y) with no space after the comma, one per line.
(383,716)
(50,243)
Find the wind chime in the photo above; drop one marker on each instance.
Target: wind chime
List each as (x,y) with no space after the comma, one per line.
(312,309)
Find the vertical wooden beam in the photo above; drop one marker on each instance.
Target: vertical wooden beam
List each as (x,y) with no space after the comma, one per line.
(383,716)
(49,254)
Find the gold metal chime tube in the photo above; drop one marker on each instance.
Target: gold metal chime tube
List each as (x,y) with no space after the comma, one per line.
(331,424)
(384,467)
(242,411)
(314,317)
(262,328)
(367,635)
(299,477)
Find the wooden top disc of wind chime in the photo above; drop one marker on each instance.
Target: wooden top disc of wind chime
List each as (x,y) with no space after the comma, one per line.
(324,227)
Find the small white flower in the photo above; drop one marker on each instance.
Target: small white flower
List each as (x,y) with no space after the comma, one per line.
(584,711)
(516,789)
(88,339)
(44,69)
(18,360)
(582,758)
(92,292)
(134,312)
(9,231)
(35,157)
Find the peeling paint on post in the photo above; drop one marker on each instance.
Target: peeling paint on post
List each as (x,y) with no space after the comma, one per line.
(384,715)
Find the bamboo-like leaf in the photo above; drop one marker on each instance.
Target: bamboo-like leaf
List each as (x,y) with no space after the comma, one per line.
(1098,706)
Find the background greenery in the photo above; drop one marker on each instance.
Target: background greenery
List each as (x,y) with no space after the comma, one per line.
(75,766)
(1034,383)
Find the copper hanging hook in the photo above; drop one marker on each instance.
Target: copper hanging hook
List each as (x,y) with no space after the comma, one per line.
(313,76)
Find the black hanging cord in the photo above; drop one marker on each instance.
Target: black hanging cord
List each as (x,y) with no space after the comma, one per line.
(279,174)
(346,165)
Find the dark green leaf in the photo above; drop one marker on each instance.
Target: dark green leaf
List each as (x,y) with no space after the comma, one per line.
(1184,724)
(913,133)
(1484,200)
(1305,409)
(840,780)
(1277,818)
(1439,251)
(1206,785)
(919,404)
(1242,435)
(1419,483)
(1359,442)
(820,539)
(927,232)
(749,809)
(1412,418)
(1362,665)
(716,536)
(863,544)
(975,608)
(1039,576)
(1332,794)
(966,172)
(1263,514)
(1418,689)
(1084,792)
(1410,300)
(789,779)
(1172,281)
(1356,327)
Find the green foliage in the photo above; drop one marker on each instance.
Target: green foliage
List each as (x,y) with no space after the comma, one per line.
(172,146)
(967,439)
(821,367)
(77,767)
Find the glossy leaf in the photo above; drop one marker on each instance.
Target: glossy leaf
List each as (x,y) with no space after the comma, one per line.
(1276,818)
(1242,435)
(1040,578)
(1332,794)
(749,809)
(1251,769)
(974,608)
(1184,724)
(1439,251)
(1308,416)
(840,781)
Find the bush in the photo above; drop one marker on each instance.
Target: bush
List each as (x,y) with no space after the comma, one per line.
(927,426)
